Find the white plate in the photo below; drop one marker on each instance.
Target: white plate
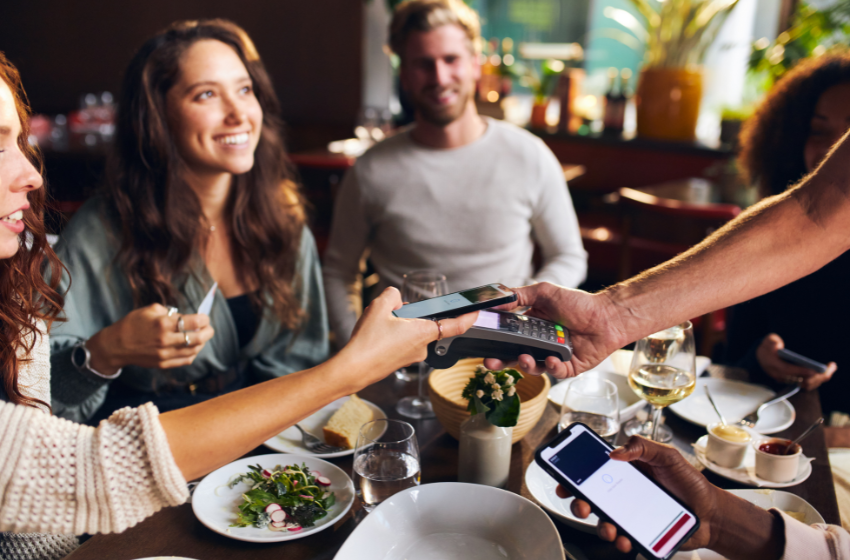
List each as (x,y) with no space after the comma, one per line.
(746,473)
(616,368)
(289,440)
(454,521)
(766,499)
(735,399)
(215,505)
(542,488)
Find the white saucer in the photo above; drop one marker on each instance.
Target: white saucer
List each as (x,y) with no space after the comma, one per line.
(746,473)
(735,399)
(289,440)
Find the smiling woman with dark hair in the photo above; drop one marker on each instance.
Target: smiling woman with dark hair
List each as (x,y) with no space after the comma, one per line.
(199,191)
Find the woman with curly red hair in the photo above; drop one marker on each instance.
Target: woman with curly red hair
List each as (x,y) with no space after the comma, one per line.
(792,131)
(61,479)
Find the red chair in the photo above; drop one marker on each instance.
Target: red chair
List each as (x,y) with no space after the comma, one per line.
(656,229)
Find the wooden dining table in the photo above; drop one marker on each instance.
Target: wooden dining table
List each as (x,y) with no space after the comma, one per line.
(177,532)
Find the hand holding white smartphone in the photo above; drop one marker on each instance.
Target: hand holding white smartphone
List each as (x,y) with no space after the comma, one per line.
(654,520)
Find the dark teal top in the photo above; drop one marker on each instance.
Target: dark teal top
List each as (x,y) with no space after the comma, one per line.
(100,295)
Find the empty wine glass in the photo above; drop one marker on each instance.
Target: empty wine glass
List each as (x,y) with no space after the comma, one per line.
(663,372)
(592,401)
(417,286)
(386,461)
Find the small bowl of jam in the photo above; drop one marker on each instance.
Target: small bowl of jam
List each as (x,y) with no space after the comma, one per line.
(775,461)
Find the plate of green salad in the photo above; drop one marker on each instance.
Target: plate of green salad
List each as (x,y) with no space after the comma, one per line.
(272,498)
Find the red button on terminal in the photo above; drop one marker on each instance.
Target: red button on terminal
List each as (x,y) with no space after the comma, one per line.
(560,340)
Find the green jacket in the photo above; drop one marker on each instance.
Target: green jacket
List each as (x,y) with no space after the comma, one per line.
(100,295)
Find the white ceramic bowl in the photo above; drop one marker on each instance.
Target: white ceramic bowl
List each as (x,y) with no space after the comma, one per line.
(729,454)
(777,468)
(454,521)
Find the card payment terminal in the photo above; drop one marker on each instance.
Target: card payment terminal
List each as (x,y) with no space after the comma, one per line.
(504,336)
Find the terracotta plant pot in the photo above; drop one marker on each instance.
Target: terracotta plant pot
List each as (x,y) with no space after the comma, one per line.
(538,114)
(668,102)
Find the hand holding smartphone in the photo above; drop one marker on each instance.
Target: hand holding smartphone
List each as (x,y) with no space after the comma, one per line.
(800,360)
(654,520)
(457,303)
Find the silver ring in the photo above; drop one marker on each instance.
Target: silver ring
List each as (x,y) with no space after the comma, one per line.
(180,326)
(439,330)
(186,338)
(172,311)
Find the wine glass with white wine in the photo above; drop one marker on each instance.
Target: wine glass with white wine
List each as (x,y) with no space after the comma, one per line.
(663,372)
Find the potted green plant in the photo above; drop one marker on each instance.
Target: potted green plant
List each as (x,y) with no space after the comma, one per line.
(675,35)
(540,82)
(813,32)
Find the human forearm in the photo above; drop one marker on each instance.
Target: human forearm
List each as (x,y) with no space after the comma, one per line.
(780,240)
(746,531)
(244,419)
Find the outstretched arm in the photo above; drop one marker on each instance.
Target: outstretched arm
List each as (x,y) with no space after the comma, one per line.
(242,420)
(776,242)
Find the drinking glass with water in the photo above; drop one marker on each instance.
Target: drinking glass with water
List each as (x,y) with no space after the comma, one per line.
(386,461)
(592,401)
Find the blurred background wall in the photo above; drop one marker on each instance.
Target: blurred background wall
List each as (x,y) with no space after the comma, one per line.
(311,48)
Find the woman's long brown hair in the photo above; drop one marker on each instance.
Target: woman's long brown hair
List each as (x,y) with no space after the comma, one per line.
(25,296)
(160,217)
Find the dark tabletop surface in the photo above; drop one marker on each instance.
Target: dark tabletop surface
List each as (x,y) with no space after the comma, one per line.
(176,531)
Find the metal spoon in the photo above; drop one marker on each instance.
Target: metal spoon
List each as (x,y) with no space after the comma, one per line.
(717,410)
(802,436)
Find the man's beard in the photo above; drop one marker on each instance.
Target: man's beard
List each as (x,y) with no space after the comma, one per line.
(442,115)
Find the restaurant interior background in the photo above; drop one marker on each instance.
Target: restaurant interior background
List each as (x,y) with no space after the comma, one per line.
(336,82)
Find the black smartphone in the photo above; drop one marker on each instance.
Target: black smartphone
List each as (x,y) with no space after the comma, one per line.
(654,520)
(798,360)
(458,303)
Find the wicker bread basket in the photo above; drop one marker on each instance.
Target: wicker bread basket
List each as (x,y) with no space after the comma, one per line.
(446,386)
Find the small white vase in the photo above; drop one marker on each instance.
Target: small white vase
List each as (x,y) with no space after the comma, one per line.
(485,452)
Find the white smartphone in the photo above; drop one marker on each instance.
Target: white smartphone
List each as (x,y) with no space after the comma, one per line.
(654,520)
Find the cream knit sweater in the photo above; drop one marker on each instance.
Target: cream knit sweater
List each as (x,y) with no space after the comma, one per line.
(68,479)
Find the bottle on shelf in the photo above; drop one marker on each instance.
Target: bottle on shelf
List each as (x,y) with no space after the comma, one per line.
(614,106)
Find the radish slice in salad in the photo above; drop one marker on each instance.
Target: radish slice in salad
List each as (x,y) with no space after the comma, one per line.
(278,516)
(278,526)
(293,527)
(323,481)
(272,508)
(267,473)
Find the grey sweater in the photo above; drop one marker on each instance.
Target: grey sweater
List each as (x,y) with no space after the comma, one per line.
(100,295)
(473,213)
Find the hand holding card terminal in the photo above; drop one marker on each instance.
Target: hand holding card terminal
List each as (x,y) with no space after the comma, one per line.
(504,336)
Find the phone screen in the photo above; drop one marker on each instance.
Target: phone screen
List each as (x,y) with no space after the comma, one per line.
(452,302)
(630,499)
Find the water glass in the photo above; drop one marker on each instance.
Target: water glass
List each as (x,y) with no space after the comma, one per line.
(592,401)
(386,461)
(417,286)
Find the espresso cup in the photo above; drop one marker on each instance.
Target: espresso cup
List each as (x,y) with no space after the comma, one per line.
(724,452)
(777,468)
